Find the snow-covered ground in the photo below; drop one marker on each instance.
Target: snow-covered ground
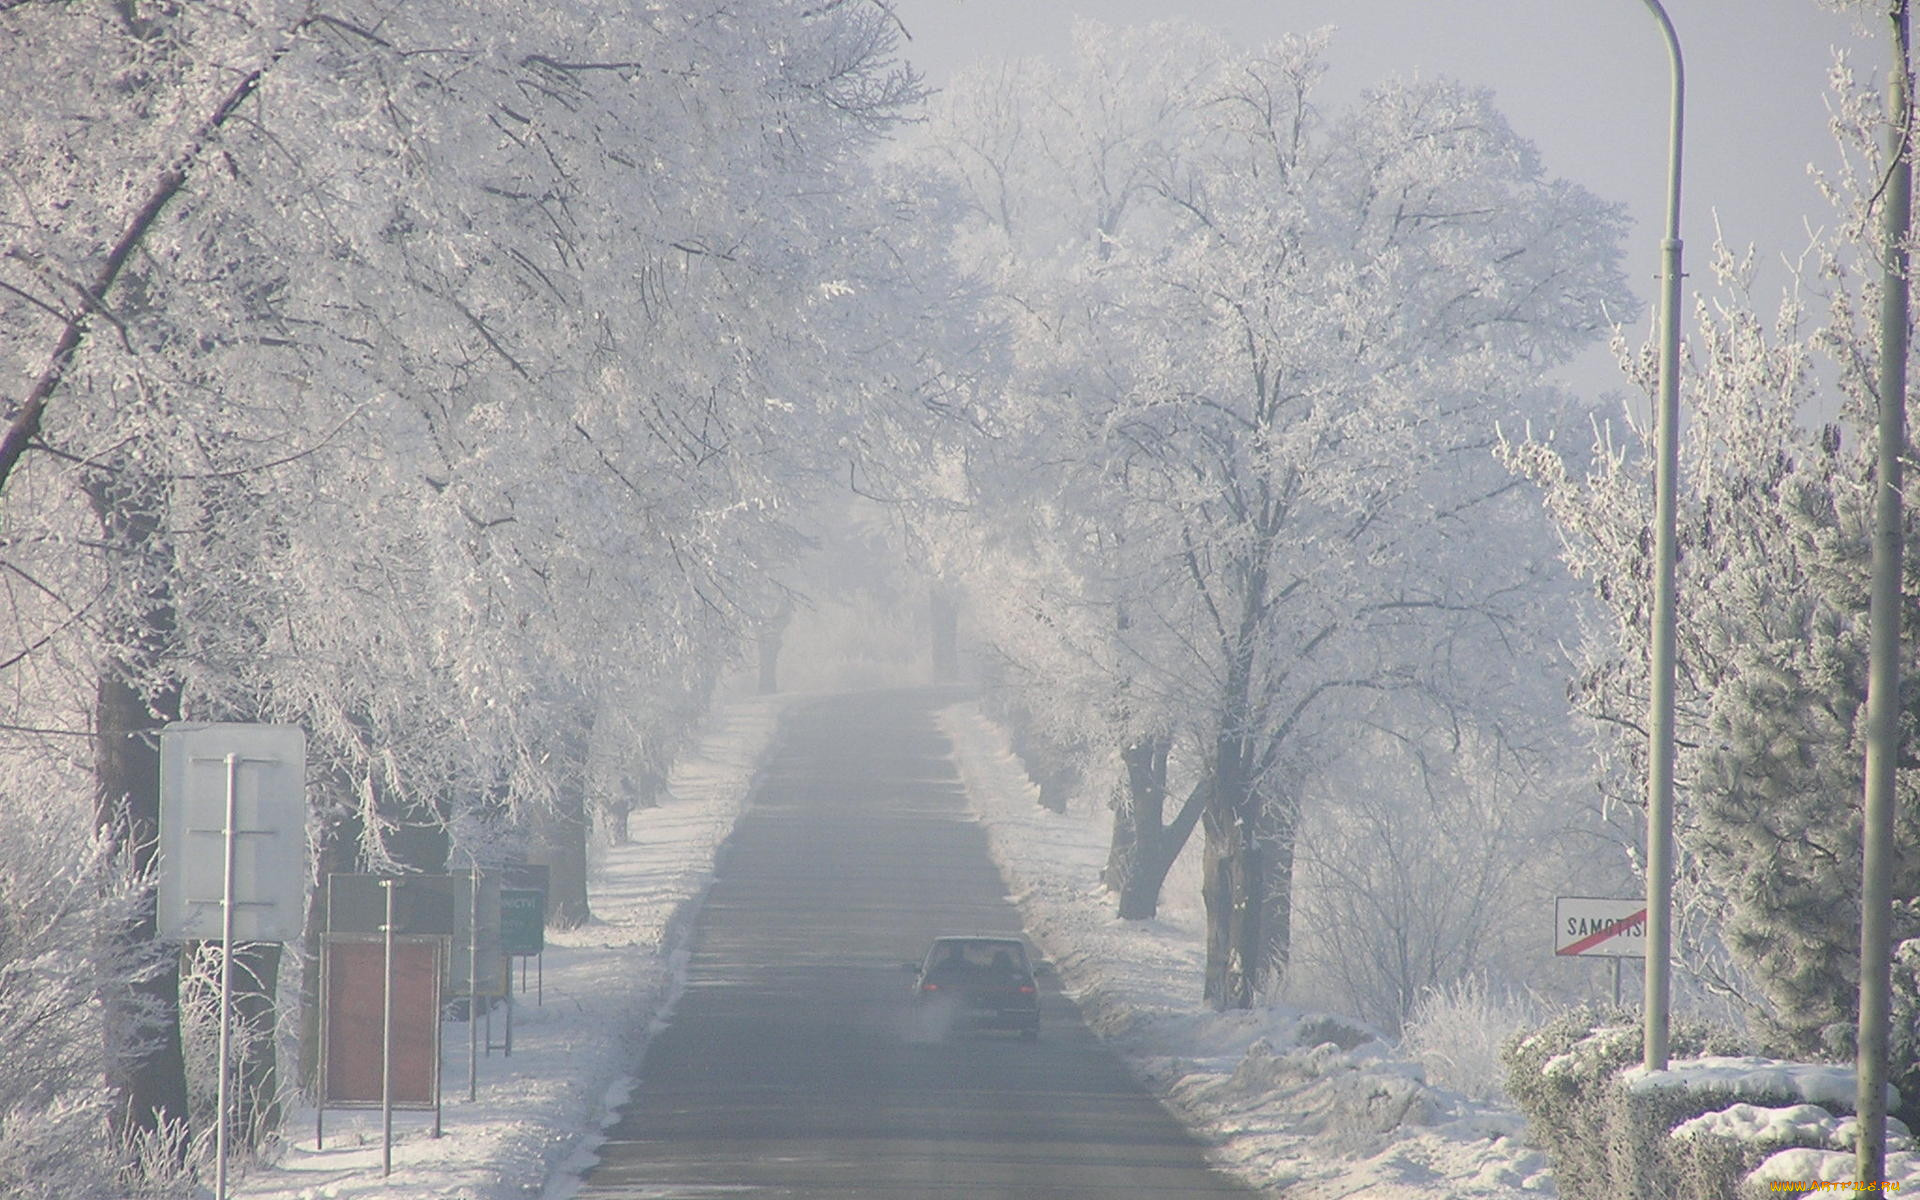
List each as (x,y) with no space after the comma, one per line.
(573,1052)
(1281,1104)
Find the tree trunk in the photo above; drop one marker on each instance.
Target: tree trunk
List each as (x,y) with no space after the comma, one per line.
(609,793)
(946,636)
(564,829)
(1143,870)
(1140,894)
(417,838)
(564,841)
(1243,835)
(639,789)
(769,645)
(1248,890)
(256,1069)
(1234,888)
(616,817)
(1280,820)
(134,699)
(1144,844)
(146,1071)
(335,852)
(1123,850)
(1235,883)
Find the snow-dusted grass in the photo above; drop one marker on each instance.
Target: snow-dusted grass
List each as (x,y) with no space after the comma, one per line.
(1456,1033)
(1312,1103)
(605,984)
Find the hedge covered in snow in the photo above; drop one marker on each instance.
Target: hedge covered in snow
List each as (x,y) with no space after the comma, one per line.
(1713,1125)
(1607,1140)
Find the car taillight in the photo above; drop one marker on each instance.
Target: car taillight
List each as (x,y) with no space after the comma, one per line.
(1026,989)
(929,987)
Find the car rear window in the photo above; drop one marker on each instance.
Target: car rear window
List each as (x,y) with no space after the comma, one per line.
(977,954)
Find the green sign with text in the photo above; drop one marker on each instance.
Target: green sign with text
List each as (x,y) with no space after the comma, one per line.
(523,920)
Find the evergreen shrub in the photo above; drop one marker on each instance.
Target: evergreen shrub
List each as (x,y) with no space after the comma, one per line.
(1606,1142)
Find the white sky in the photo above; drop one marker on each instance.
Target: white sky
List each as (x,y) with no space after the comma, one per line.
(1586,80)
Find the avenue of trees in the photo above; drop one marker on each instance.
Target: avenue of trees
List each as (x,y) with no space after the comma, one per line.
(1238,507)
(478,385)
(450,380)
(1262,538)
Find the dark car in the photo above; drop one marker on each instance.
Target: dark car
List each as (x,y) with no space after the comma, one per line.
(979,982)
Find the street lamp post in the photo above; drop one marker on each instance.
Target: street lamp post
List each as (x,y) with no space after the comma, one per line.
(1666,472)
(1883,623)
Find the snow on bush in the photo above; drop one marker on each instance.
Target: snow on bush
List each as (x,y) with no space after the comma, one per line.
(1609,1142)
(1793,1125)
(1812,1083)
(1761,1146)
(1620,1132)
(1807,1166)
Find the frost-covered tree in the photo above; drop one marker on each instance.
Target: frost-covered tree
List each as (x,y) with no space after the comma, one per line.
(1426,861)
(1045,165)
(1254,405)
(423,376)
(1777,475)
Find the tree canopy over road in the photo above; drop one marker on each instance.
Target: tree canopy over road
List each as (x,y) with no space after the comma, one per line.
(477,385)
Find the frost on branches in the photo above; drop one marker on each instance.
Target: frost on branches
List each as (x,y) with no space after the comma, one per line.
(1775,499)
(443,378)
(1243,462)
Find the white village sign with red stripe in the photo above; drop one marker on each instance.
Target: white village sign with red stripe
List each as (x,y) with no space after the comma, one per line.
(1594,928)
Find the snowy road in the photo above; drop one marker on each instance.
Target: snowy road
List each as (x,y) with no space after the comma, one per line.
(788,1067)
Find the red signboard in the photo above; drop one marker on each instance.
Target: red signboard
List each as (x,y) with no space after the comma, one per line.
(355,1001)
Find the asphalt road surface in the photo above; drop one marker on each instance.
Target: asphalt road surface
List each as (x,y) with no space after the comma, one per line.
(792,1067)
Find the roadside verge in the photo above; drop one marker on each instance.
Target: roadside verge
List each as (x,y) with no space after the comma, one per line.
(1310,1103)
(576,1039)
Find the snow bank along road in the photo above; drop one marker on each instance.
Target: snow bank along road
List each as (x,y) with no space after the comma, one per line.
(789,1066)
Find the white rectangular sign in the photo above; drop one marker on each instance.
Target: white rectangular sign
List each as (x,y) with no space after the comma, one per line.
(1587,927)
(267,765)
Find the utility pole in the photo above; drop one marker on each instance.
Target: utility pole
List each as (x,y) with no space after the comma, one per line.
(1883,676)
(1665,480)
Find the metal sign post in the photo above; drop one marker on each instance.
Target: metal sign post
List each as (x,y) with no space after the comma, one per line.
(386,1040)
(473,981)
(221,1105)
(395,917)
(1659,919)
(523,916)
(253,876)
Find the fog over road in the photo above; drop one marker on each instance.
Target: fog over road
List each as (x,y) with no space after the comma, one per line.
(789,1068)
